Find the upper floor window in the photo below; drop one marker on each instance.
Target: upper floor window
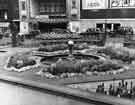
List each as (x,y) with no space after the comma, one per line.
(23,3)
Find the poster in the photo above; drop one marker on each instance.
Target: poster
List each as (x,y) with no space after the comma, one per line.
(24,27)
(122,3)
(94,4)
(74,26)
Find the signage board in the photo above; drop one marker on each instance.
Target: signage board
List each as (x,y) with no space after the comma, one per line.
(94,4)
(24,27)
(122,3)
(74,26)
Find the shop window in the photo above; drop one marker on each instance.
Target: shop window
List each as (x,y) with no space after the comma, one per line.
(100,26)
(108,26)
(116,26)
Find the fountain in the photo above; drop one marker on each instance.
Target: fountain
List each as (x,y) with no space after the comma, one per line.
(75,63)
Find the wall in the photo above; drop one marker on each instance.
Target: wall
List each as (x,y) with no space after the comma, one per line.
(15,95)
(89,18)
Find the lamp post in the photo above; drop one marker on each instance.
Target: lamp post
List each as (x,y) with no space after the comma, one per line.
(70,46)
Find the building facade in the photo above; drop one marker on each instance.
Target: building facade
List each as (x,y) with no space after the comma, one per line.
(48,14)
(3,15)
(9,10)
(77,15)
(113,13)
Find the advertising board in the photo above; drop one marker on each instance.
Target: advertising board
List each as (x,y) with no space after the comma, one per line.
(122,3)
(94,4)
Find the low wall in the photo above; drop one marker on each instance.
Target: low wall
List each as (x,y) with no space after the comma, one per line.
(19,91)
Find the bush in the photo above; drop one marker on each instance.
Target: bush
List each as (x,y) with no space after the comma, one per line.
(20,61)
(73,66)
(51,48)
(117,54)
(57,47)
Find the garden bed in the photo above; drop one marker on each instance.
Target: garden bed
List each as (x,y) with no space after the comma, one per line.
(21,62)
(119,54)
(66,68)
(57,47)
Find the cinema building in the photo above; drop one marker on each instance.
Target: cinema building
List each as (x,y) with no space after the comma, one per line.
(47,14)
(78,15)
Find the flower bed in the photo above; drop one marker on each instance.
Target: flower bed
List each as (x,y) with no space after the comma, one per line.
(20,62)
(48,36)
(117,54)
(67,68)
(56,47)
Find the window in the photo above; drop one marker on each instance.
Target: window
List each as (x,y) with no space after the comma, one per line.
(108,26)
(52,7)
(3,14)
(100,26)
(116,26)
(23,5)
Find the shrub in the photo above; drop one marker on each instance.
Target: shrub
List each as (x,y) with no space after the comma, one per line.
(20,61)
(117,54)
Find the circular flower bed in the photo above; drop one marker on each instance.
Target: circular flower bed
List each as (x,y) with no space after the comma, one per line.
(65,68)
(20,62)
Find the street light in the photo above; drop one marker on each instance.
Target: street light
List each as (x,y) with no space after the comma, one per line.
(70,46)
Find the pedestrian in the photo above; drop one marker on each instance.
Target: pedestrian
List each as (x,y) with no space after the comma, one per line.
(119,89)
(97,89)
(102,88)
(111,91)
(20,38)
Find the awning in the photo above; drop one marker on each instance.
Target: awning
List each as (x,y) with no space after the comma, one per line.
(50,20)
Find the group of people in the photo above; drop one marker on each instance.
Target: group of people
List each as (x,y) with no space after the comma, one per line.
(123,89)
